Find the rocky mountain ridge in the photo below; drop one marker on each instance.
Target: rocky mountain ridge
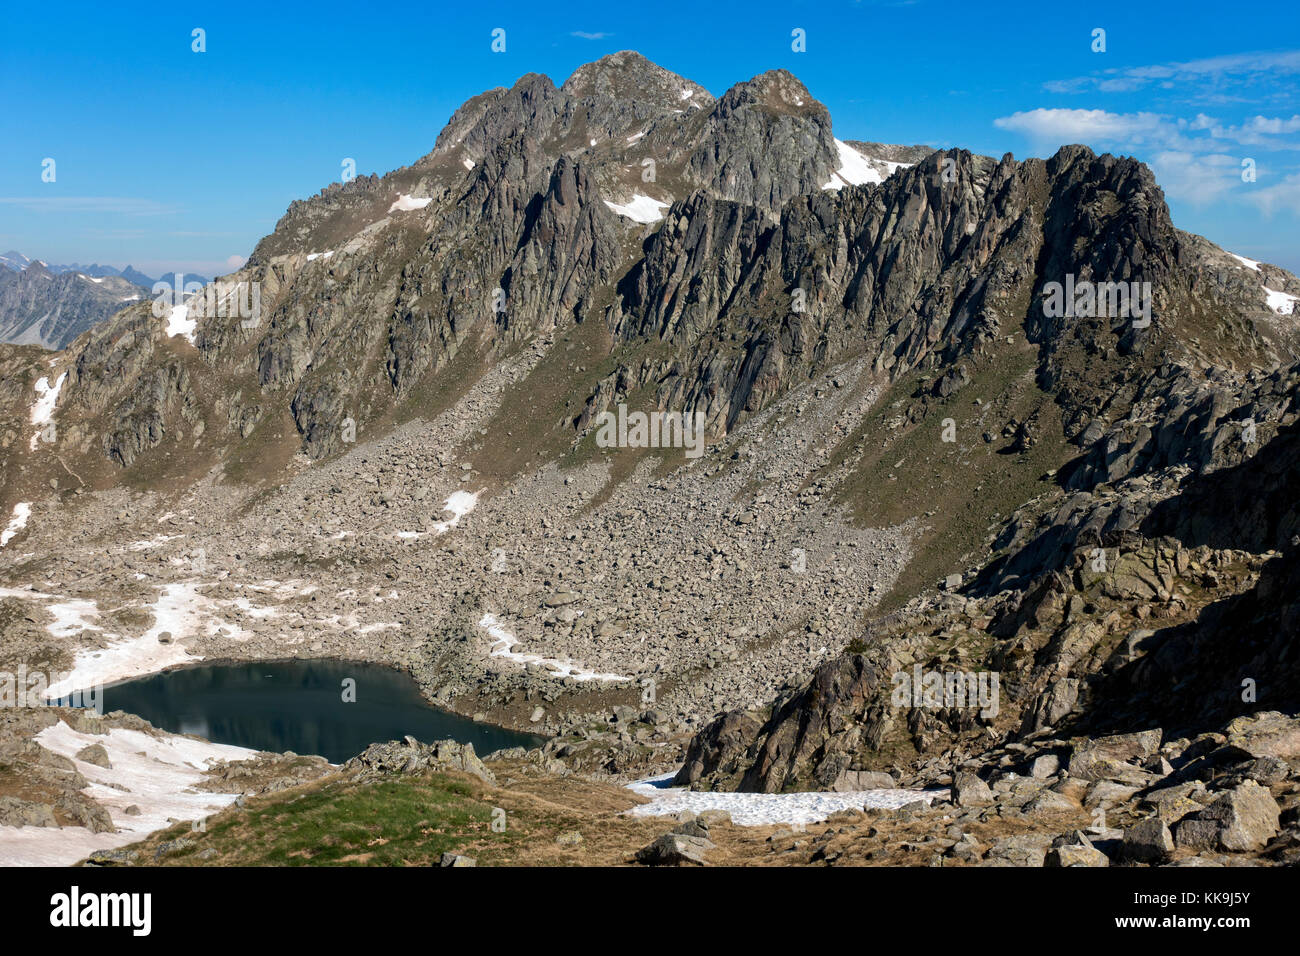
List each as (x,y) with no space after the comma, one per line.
(17,262)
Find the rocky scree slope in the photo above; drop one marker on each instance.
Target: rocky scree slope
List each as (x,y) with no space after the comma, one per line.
(1142,622)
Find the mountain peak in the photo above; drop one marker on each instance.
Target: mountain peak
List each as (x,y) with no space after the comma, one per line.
(778,90)
(627,75)
(15,260)
(534,83)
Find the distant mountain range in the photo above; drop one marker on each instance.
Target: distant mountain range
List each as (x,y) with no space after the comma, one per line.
(17,262)
(50,305)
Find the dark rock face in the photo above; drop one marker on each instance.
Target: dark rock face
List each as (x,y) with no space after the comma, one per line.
(765,142)
(1234,432)
(1180,418)
(139,422)
(927,267)
(810,727)
(625,86)
(729,737)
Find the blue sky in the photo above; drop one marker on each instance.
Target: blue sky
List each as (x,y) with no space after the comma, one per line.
(167,158)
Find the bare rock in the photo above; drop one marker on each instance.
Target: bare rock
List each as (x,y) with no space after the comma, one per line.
(1148,842)
(95,754)
(675,849)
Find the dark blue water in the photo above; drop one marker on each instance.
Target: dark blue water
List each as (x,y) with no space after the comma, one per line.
(299,706)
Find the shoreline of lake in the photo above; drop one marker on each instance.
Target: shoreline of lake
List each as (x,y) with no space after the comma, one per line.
(221,701)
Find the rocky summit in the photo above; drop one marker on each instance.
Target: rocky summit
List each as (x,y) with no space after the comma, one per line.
(951,505)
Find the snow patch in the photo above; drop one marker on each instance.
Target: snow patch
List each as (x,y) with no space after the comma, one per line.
(1283,303)
(43,408)
(503,645)
(855,170)
(180,323)
(407,203)
(1252,264)
(313,256)
(22,511)
(467,163)
(46,396)
(640,209)
(179,609)
(760,809)
(23,594)
(157,541)
(157,775)
(72,616)
(459,504)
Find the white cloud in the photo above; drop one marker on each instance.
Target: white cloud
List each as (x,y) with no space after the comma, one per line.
(1196,178)
(1229,65)
(1273,126)
(1235,69)
(584,35)
(1061,126)
(1201,134)
(1282,195)
(1190,158)
(1256,130)
(234,262)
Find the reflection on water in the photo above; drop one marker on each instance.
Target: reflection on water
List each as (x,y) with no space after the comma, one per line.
(300,706)
(199,727)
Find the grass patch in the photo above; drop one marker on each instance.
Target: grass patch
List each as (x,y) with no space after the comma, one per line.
(406,821)
(956,490)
